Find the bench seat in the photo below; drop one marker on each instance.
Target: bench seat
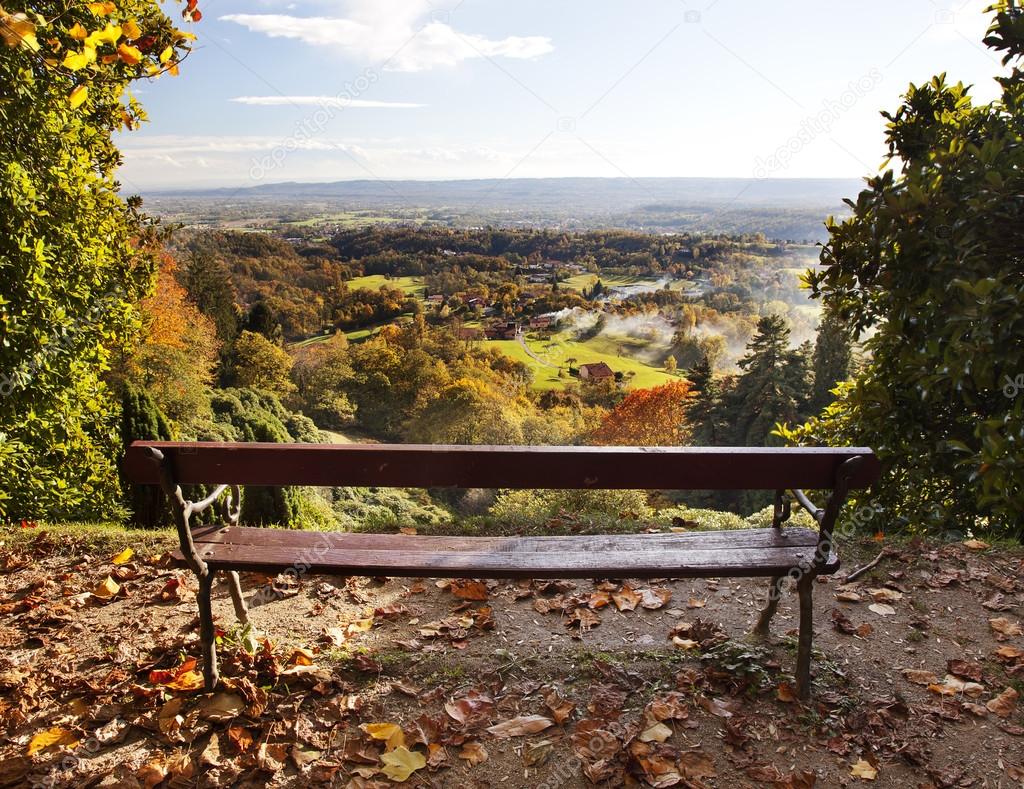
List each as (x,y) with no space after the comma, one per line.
(741,552)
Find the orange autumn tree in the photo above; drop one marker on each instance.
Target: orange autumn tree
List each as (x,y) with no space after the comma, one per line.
(648,417)
(175,360)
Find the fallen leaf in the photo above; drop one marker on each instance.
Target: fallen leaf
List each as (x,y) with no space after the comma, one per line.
(966,669)
(920,676)
(1004,628)
(659,732)
(474,753)
(517,727)
(694,602)
(50,738)
(976,545)
(152,773)
(951,686)
(882,609)
(785,693)
(400,763)
(390,733)
(848,597)
(221,707)
(561,708)
(107,589)
(1003,704)
(885,595)
(626,599)
(468,590)
(124,557)
(863,769)
(654,599)
(685,643)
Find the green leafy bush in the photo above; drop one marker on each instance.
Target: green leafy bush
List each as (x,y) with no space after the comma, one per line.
(927,271)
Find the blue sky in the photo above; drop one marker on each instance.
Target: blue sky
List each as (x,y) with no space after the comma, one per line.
(313,90)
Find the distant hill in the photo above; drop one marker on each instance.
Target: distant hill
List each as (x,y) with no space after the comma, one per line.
(602,194)
(781,208)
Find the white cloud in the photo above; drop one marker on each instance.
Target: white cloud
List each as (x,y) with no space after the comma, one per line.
(392,33)
(320,101)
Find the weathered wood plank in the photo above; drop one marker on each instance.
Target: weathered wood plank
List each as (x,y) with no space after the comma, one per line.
(738,539)
(379,556)
(421,466)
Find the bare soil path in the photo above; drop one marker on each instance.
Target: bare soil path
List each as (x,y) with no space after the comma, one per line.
(364,683)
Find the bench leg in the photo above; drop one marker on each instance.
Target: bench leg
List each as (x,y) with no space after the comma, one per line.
(241,609)
(207,632)
(774,593)
(803,655)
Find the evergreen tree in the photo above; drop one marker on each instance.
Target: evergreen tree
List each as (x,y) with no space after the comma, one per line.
(263,320)
(208,282)
(833,356)
(141,420)
(773,387)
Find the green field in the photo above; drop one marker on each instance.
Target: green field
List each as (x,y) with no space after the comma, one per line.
(411,285)
(579,282)
(344,219)
(559,348)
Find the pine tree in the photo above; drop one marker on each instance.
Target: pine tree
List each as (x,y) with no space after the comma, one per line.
(774,386)
(833,356)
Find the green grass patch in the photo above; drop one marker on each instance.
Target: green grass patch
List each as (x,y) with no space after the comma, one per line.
(76,539)
(413,286)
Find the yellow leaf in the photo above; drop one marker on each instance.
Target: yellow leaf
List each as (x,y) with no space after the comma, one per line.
(102,9)
(49,738)
(390,733)
(181,35)
(76,60)
(77,32)
(166,54)
(863,769)
(123,557)
(173,69)
(17,29)
(109,587)
(130,29)
(400,763)
(108,35)
(129,54)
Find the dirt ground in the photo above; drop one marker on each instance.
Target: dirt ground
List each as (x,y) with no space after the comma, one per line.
(362,682)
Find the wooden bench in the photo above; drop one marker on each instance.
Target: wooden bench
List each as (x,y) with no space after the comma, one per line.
(774,552)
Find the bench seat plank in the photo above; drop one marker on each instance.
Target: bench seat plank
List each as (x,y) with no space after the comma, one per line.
(743,552)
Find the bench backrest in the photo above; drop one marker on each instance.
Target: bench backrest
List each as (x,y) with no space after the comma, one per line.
(431,465)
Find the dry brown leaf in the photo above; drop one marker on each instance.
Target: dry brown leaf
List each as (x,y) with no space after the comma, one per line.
(785,693)
(626,598)
(977,545)
(864,770)
(659,732)
(885,595)
(474,753)
(561,708)
(1004,704)
(152,773)
(518,727)
(468,590)
(1004,628)
(882,609)
(920,676)
(653,599)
